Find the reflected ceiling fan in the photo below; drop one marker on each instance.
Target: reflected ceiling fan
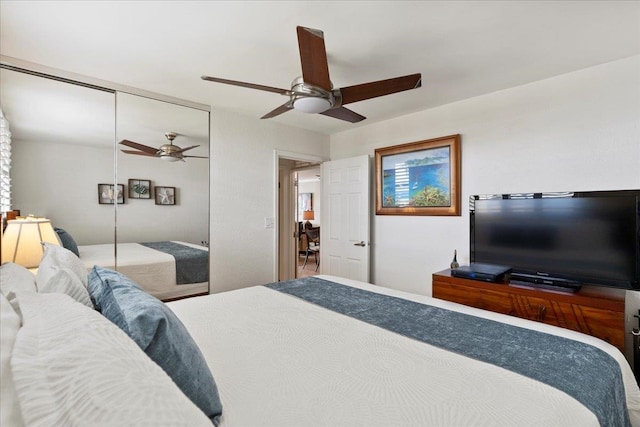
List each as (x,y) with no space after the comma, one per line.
(168,152)
(314,93)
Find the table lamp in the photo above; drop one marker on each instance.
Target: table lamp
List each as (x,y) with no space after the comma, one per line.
(308,216)
(22,240)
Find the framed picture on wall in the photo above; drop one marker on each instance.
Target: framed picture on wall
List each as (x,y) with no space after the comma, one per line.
(305,204)
(419,178)
(139,188)
(165,195)
(108,194)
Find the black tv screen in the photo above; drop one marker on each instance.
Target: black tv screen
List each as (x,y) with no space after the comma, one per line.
(586,237)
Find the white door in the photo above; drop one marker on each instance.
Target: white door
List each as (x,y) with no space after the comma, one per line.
(344,233)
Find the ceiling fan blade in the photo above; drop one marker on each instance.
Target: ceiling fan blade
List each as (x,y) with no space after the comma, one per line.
(145,148)
(380,88)
(344,114)
(139,153)
(197,157)
(281,109)
(313,57)
(247,85)
(182,150)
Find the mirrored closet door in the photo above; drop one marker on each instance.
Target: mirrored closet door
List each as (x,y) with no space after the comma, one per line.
(62,138)
(67,165)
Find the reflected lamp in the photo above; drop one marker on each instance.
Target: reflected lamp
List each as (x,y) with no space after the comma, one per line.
(22,241)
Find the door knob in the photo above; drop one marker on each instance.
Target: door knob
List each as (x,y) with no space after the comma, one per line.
(361,243)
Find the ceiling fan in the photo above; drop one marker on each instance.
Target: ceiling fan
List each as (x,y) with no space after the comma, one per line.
(168,152)
(314,92)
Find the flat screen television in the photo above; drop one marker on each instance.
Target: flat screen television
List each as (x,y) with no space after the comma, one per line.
(560,239)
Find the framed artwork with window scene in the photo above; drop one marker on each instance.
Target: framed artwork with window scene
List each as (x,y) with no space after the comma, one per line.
(419,178)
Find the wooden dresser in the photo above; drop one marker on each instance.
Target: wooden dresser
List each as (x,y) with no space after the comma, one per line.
(593,310)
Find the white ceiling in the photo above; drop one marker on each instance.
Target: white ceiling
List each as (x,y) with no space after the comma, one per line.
(462,48)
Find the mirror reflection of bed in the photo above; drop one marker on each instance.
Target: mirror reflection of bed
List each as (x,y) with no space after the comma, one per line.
(167,270)
(64,143)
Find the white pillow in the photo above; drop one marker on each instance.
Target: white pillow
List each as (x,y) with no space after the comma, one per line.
(64,281)
(72,366)
(9,326)
(14,278)
(56,257)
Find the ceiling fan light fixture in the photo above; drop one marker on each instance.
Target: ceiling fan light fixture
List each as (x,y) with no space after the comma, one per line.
(168,158)
(311,105)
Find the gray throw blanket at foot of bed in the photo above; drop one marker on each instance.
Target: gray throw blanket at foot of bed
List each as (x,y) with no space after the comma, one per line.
(192,265)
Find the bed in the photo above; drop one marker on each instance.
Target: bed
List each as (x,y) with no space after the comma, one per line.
(318,351)
(303,364)
(152,269)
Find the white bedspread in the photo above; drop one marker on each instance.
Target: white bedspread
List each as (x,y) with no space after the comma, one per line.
(153,270)
(280,361)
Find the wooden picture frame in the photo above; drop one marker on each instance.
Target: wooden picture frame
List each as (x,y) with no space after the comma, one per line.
(165,195)
(419,178)
(139,188)
(107,195)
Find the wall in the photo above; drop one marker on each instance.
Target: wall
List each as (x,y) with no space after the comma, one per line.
(578,131)
(243,194)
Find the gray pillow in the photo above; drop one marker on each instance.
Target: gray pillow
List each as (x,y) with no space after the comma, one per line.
(157,331)
(67,241)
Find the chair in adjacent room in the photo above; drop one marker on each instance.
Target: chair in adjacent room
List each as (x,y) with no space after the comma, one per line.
(313,245)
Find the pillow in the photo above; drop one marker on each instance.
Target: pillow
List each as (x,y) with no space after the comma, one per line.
(57,256)
(157,330)
(67,241)
(9,324)
(71,366)
(14,277)
(64,281)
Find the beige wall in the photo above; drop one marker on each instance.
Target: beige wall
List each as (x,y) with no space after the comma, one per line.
(243,194)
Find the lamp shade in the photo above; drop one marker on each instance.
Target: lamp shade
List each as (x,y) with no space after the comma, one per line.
(22,241)
(308,215)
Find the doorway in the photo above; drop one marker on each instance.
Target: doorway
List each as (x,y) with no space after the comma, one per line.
(345,187)
(291,253)
(308,213)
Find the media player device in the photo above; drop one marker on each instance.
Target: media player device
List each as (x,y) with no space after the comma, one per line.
(480,271)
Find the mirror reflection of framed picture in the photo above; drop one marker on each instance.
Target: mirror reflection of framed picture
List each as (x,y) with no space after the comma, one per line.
(108,194)
(165,195)
(139,188)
